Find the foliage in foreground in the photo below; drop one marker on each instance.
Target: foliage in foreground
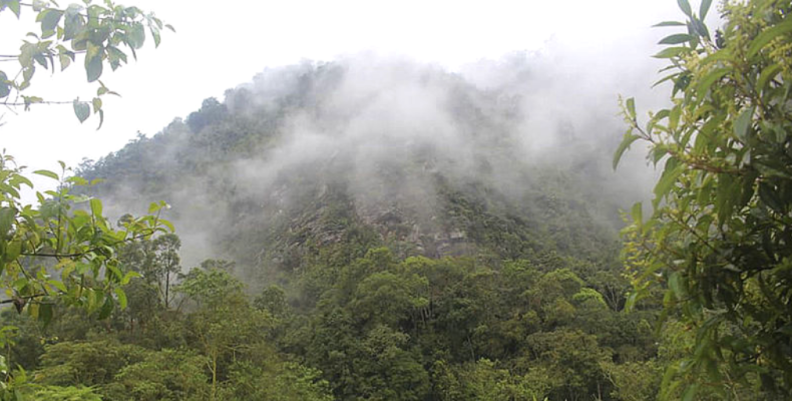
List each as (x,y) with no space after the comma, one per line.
(98,32)
(417,329)
(64,251)
(719,238)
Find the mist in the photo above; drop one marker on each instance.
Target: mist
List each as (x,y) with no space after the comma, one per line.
(380,130)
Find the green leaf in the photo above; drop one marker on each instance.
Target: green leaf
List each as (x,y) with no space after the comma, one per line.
(672,171)
(637,212)
(765,37)
(47,173)
(723,55)
(765,77)
(115,56)
(625,143)
(685,7)
(97,104)
(704,9)
(675,284)
(725,197)
(13,5)
(690,393)
(122,298)
(700,29)
(101,119)
(49,19)
(93,64)
(45,313)
(770,197)
(155,207)
(27,75)
(19,180)
(72,24)
(136,36)
(13,192)
(58,284)
(676,39)
(116,272)
(668,23)
(26,52)
(167,224)
(96,207)
(746,185)
(156,35)
(664,79)
(82,110)
(77,180)
(107,308)
(65,61)
(41,59)
(632,299)
(5,87)
(671,52)
(706,83)
(742,123)
(12,252)
(129,276)
(631,107)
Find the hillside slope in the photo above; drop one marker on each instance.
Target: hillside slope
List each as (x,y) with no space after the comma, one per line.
(429,163)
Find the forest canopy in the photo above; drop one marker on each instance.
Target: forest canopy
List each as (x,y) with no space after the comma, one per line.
(348,232)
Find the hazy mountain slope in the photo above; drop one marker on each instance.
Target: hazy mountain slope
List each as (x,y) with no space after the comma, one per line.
(377,151)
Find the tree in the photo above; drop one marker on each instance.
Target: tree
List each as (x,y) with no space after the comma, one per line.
(157,260)
(572,359)
(287,381)
(483,380)
(224,325)
(64,251)
(720,238)
(161,375)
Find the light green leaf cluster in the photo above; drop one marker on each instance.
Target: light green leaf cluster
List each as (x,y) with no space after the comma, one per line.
(64,251)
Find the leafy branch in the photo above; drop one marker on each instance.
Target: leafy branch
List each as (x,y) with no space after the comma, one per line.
(96,32)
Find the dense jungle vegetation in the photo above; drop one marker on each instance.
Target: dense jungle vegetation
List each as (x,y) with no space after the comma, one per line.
(376,230)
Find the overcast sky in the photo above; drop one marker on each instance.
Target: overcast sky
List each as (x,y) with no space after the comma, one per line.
(219,45)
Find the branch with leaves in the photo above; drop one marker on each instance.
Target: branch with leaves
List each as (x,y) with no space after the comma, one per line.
(101,34)
(71,228)
(718,241)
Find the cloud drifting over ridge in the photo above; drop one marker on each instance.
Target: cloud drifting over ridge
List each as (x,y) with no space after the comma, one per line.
(384,126)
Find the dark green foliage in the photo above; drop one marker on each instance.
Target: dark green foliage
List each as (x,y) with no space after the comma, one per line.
(385,318)
(161,375)
(212,112)
(88,363)
(718,241)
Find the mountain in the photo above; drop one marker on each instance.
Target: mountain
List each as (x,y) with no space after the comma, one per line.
(406,155)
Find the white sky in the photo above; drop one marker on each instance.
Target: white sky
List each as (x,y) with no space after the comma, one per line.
(221,44)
